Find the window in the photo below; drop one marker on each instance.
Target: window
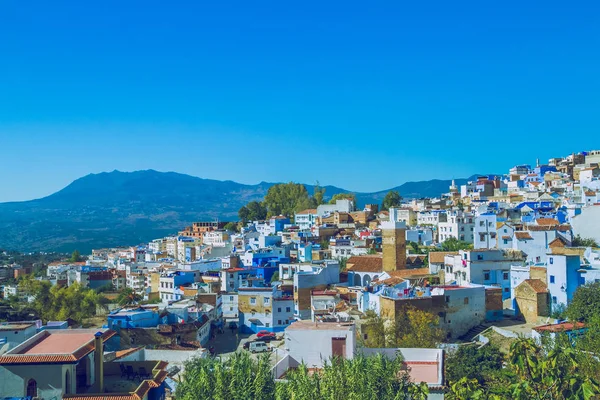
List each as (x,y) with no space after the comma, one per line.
(480,256)
(551,278)
(486,275)
(32,388)
(267,300)
(278,309)
(278,322)
(506,290)
(447,299)
(466,300)
(554,300)
(266,324)
(551,260)
(505,276)
(287,322)
(287,309)
(230,298)
(505,241)
(252,300)
(230,308)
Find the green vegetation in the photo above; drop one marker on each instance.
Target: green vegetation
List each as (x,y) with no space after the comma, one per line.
(275,277)
(472,362)
(318,194)
(76,256)
(57,303)
(241,377)
(578,241)
(343,196)
(391,199)
(585,304)
(551,371)
(128,296)
(453,244)
(413,328)
(231,226)
(253,211)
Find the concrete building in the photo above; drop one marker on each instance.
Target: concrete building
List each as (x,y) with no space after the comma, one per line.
(308,277)
(264,309)
(459,225)
(531,298)
(14,333)
(62,364)
(483,267)
(485,233)
(406,215)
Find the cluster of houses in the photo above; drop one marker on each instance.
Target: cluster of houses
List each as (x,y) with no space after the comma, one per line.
(314,275)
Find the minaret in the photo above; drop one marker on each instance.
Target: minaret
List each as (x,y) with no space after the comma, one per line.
(453,188)
(393,243)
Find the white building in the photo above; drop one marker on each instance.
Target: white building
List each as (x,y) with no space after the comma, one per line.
(485,234)
(483,267)
(459,225)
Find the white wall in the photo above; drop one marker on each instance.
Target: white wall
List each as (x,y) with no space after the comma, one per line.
(314,345)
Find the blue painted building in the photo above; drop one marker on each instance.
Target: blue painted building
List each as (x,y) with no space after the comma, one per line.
(135,318)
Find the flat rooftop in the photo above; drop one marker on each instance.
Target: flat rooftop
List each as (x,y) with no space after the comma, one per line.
(309,325)
(59,344)
(15,327)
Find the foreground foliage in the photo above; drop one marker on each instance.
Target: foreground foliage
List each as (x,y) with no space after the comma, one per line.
(551,371)
(241,377)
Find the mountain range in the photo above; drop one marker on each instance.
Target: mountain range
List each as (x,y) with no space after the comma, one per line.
(128,208)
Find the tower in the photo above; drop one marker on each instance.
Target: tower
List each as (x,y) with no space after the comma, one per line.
(393,243)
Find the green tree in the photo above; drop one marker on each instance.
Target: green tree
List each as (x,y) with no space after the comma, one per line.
(242,377)
(231,226)
(343,196)
(318,194)
(253,211)
(578,241)
(391,199)
(473,362)
(128,296)
(585,303)
(75,256)
(275,277)
(286,199)
(453,244)
(412,328)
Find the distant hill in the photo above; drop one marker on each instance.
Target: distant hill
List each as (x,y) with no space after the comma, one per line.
(127,208)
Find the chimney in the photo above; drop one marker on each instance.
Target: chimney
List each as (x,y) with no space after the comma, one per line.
(98,363)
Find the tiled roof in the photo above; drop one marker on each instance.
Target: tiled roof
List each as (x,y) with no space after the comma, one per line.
(365,264)
(558,242)
(407,273)
(393,281)
(437,257)
(523,236)
(126,352)
(562,327)
(546,221)
(307,211)
(537,285)
(55,347)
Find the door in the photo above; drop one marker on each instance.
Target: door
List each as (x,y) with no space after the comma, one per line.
(338,347)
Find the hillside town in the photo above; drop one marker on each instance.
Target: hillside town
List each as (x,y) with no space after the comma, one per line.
(497,259)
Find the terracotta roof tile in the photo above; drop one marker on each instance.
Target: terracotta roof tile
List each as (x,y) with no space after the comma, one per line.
(308,211)
(546,221)
(558,242)
(537,285)
(523,236)
(365,264)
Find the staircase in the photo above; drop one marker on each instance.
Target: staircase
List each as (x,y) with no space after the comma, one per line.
(473,333)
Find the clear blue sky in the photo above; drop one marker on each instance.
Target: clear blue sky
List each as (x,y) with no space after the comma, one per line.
(362,95)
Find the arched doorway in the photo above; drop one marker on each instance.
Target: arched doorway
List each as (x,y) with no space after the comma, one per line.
(366,280)
(356,279)
(67,382)
(32,388)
